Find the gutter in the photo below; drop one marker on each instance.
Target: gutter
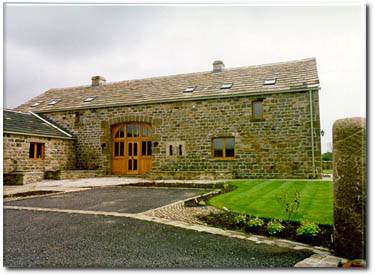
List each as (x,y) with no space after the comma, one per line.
(197,98)
(312,134)
(37,135)
(52,125)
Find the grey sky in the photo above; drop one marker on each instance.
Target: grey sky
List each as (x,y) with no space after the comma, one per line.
(58,46)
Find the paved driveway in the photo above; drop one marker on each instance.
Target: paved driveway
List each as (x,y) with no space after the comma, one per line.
(122,199)
(39,238)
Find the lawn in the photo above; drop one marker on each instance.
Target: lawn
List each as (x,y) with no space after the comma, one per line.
(259,198)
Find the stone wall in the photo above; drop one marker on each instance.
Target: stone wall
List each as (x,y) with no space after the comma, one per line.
(349,176)
(59,154)
(278,146)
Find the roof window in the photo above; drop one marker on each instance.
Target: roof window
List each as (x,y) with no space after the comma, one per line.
(53,102)
(226,85)
(35,104)
(270,81)
(190,89)
(89,99)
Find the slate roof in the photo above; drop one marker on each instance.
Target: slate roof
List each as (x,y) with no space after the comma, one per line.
(246,80)
(29,124)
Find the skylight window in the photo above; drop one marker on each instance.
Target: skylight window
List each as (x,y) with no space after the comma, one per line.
(270,81)
(190,89)
(89,99)
(35,104)
(226,85)
(53,102)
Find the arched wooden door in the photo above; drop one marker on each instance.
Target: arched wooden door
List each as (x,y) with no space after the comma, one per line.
(131,148)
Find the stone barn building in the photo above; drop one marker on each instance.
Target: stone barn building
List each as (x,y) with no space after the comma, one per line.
(248,122)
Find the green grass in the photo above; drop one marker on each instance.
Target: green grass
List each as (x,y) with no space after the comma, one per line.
(258,198)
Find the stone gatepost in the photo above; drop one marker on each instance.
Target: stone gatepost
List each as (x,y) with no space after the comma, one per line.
(349,177)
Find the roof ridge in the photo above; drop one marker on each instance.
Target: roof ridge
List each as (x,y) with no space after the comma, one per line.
(185,74)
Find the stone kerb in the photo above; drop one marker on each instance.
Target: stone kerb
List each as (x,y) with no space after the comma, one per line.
(349,175)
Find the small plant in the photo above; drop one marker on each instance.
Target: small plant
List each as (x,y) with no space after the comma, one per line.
(308,229)
(290,204)
(274,227)
(255,222)
(240,219)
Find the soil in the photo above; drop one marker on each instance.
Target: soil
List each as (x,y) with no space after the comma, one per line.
(226,220)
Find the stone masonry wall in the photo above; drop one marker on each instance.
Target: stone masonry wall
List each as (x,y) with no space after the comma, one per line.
(59,154)
(350,195)
(278,146)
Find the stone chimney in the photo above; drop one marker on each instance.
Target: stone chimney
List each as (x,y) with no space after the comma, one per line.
(97,80)
(218,66)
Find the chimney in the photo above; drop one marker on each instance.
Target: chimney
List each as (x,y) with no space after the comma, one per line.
(218,66)
(97,80)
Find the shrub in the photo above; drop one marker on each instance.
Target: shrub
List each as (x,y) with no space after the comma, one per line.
(255,222)
(240,219)
(274,227)
(308,229)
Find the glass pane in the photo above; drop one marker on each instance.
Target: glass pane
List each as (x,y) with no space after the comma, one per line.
(130,130)
(31,151)
(130,164)
(229,147)
(145,131)
(135,130)
(135,164)
(149,149)
(120,133)
(130,149)
(144,149)
(39,150)
(121,149)
(117,149)
(258,109)
(218,148)
(135,149)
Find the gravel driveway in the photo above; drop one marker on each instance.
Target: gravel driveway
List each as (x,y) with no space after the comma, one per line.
(123,199)
(47,239)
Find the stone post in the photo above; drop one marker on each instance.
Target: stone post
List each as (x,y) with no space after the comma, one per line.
(349,177)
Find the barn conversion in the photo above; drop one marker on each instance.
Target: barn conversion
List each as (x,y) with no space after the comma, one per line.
(247,122)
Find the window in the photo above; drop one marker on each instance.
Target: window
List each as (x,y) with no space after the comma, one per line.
(146,148)
(53,102)
(180,150)
(223,147)
(133,130)
(270,81)
(35,104)
(226,85)
(89,99)
(120,133)
(36,150)
(170,150)
(190,89)
(119,149)
(258,109)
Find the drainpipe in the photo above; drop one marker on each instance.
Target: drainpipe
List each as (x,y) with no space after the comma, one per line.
(312,134)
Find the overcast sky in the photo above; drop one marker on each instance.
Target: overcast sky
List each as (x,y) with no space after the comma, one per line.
(58,46)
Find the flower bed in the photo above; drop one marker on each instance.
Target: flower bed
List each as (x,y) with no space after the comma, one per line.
(253,225)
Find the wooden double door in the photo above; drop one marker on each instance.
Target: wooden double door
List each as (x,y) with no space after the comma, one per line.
(131,148)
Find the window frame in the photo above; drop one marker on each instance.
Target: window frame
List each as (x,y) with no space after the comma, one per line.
(253,109)
(35,146)
(223,157)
